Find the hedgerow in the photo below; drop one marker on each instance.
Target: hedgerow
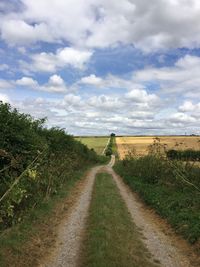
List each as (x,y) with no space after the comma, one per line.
(111,147)
(189,154)
(35,162)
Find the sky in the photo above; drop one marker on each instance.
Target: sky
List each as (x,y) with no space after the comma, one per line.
(94,67)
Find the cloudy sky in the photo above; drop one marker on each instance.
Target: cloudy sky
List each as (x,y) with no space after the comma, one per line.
(98,66)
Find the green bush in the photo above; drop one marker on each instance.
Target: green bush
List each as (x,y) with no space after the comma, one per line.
(36,160)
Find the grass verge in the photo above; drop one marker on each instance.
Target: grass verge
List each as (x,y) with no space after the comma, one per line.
(111,237)
(160,187)
(25,244)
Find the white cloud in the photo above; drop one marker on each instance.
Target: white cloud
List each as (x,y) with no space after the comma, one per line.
(72,100)
(74,57)
(55,84)
(56,80)
(92,80)
(190,109)
(50,62)
(141,96)
(126,105)
(106,103)
(100,23)
(182,78)
(27,81)
(142,115)
(110,81)
(187,106)
(104,114)
(181,118)
(19,32)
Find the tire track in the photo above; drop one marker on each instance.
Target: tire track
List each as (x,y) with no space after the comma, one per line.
(70,237)
(71,232)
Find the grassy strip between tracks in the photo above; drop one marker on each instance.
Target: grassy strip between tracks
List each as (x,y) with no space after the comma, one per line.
(111,237)
(25,244)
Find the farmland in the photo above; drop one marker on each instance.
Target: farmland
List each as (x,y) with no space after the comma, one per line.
(97,143)
(140,145)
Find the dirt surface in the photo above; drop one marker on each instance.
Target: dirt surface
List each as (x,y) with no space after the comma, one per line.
(72,229)
(140,144)
(164,246)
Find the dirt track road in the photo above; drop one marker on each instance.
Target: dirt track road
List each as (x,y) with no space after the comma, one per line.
(162,247)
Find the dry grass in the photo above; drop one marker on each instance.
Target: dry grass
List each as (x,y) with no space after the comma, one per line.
(140,144)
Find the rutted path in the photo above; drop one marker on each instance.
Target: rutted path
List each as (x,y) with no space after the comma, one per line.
(71,232)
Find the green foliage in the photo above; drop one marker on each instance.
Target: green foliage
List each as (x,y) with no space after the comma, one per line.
(172,188)
(108,151)
(111,146)
(189,154)
(34,162)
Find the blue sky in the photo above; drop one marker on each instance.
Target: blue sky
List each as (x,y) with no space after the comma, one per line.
(97,66)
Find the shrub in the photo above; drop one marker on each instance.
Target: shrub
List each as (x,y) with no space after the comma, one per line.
(34,162)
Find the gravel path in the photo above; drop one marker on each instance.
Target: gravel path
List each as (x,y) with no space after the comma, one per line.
(71,232)
(158,243)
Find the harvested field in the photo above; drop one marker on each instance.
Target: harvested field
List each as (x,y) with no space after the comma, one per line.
(140,144)
(95,142)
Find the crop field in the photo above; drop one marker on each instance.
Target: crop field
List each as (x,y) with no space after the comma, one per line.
(140,145)
(97,143)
